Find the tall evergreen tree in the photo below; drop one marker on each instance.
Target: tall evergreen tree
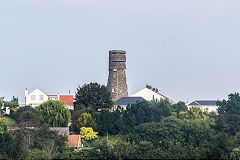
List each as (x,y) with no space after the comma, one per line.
(53,113)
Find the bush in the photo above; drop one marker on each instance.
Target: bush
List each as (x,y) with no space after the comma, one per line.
(38,154)
(24,114)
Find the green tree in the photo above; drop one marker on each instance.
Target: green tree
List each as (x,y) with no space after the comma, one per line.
(38,154)
(50,141)
(235,154)
(1,101)
(143,112)
(179,107)
(87,134)
(94,95)
(7,143)
(86,120)
(13,104)
(109,122)
(194,113)
(126,150)
(24,114)
(183,139)
(53,113)
(23,134)
(228,119)
(74,120)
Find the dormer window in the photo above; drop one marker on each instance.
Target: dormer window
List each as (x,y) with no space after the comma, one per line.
(32,97)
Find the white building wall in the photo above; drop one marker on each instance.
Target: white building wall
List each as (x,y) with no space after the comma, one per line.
(35,98)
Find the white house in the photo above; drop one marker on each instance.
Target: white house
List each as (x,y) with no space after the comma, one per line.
(149,93)
(37,97)
(205,105)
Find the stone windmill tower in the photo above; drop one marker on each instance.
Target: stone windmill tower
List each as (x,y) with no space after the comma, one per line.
(117,82)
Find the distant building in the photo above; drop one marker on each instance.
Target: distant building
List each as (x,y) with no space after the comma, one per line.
(37,97)
(150,93)
(75,141)
(205,105)
(124,101)
(66,99)
(61,130)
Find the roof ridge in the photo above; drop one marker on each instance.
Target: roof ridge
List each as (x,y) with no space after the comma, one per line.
(207,100)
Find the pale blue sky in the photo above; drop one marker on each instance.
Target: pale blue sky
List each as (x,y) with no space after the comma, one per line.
(189,49)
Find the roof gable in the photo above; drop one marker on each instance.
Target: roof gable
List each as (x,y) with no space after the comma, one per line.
(203,103)
(37,91)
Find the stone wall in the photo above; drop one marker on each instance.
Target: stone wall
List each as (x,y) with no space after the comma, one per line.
(117,81)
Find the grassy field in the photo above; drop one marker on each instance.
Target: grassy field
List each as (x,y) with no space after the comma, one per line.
(7,119)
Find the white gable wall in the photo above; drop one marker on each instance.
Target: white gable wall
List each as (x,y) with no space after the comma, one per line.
(207,108)
(35,98)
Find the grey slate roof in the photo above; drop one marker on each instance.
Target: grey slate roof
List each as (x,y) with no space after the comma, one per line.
(61,130)
(123,101)
(203,103)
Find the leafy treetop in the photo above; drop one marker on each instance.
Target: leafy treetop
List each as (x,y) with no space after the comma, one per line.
(94,95)
(53,113)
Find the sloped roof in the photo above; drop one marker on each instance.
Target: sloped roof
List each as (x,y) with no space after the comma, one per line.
(61,130)
(74,140)
(149,94)
(66,99)
(35,90)
(128,100)
(203,103)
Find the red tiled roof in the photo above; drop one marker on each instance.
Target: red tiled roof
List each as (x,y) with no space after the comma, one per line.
(73,140)
(66,99)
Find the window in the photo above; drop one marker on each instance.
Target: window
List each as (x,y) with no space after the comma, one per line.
(32,97)
(52,98)
(41,97)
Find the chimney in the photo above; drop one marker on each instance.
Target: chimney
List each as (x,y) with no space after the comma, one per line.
(26,92)
(58,97)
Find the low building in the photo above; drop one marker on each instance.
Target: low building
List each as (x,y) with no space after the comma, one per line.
(205,105)
(61,130)
(150,93)
(66,99)
(75,141)
(37,97)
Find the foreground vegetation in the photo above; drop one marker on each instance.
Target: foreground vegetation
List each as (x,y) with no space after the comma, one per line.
(146,130)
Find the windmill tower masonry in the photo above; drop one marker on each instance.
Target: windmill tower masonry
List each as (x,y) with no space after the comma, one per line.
(117,81)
